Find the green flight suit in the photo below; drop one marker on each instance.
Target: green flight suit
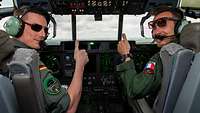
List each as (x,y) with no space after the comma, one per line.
(138,85)
(6,51)
(56,97)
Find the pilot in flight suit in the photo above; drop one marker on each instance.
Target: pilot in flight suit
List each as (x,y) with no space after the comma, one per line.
(148,82)
(141,84)
(55,96)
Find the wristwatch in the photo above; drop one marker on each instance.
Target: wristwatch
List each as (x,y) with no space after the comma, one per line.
(127,57)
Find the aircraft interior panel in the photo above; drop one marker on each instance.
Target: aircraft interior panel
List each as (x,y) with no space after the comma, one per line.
(101,87)
(89,6)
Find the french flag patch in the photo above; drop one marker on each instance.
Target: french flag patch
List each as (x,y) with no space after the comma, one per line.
(150,68)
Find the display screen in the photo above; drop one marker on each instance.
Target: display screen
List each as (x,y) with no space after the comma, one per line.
(100,63)
(107,62)
(91,66)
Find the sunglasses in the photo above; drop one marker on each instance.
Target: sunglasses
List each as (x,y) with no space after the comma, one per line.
(161,22)
(38,27)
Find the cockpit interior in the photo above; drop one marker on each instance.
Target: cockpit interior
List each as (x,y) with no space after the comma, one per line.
(98,25)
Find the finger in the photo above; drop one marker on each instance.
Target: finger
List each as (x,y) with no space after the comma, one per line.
(119,46)
(76,44)
(124,36)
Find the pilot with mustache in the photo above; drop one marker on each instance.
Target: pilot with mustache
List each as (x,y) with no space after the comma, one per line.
(164,31)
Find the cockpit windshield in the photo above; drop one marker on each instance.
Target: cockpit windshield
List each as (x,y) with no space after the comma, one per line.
(89,29)
(106,29)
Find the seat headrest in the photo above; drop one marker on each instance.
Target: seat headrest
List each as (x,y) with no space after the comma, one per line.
(190,37)
(191,4)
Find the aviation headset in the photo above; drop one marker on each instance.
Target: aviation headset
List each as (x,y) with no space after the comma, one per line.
(181,21)
(14,26)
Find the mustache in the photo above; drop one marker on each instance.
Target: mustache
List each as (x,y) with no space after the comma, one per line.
(162,37)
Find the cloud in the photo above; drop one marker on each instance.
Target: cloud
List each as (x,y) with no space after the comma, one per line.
(6,3)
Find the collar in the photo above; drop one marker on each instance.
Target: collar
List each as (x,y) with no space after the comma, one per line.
(19,44)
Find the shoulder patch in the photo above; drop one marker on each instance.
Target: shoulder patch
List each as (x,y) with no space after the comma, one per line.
(150,68)
(51,85)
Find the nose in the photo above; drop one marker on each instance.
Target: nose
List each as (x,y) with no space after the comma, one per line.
(156,30)
(43,33)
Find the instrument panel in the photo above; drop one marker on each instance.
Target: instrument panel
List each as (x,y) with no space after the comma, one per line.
(102,89)
(89,6)
(96,6)
(64,7)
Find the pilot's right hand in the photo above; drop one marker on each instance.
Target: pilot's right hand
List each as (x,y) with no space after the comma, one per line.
(123,46)
(80,56)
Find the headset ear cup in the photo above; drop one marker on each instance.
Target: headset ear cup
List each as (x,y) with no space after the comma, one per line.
(14,26)
(180,25)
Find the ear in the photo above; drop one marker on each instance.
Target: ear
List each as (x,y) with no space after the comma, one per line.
(14,26)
